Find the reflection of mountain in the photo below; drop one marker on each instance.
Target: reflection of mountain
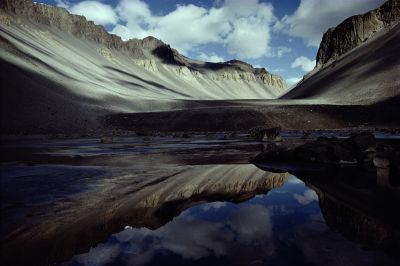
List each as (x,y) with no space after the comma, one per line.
(364,215)
(83,225)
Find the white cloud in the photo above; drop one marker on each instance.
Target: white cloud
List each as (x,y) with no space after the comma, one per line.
(93,10)
(279,51)
(293,80)
(250,33)
(242,27)
(314,17)
(303,62)
(308,197)
(62,3)
(124,32)
(283,50)
(210,58)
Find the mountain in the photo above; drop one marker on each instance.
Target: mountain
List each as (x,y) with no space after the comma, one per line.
(60,67)
(358,61)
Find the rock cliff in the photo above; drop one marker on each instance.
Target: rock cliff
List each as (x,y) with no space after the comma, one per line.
(357,62)
(356,30)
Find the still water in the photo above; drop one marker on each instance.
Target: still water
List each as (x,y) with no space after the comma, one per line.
(172,201)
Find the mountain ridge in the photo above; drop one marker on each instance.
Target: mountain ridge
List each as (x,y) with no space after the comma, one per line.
(139,49)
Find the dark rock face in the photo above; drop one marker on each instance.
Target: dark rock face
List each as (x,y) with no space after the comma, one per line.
(356,30)
(320,154)
(387,162)
(358,155)
(354,224)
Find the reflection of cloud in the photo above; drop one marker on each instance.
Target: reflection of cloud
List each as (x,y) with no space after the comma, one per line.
(194,238)
(294,180)
(308,196)
(101,255)
(280,210)
(189,237)
(213,205)
(252,223)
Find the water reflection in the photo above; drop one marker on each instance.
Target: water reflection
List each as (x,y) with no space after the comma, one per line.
(283,227)
(73,226)
(195,206)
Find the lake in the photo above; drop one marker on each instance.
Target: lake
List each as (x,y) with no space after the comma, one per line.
(185,201)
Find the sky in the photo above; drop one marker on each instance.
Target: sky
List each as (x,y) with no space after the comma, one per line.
(282,36)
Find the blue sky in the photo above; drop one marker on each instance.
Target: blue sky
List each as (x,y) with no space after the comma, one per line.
(280,35)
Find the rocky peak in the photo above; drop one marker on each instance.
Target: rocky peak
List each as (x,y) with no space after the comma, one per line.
(60,18)
(355,30)
(149,43)
(238,63)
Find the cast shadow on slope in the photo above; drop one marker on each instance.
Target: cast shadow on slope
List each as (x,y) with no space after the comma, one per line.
(20,40)
(15,50)
(151,83)
(32,103)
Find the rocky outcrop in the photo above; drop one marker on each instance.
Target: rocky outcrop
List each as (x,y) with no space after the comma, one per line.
(148,64)
(143,52)
(271,79)
(355,30)
(320,155)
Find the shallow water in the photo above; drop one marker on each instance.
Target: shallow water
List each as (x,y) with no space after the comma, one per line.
(174,201)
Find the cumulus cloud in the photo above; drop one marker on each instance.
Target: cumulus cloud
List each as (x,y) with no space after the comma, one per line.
(250,32)
(241,27)
(282,50)
(308,197)
(313,17)
(304,63)
(62,3)
(93,10)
